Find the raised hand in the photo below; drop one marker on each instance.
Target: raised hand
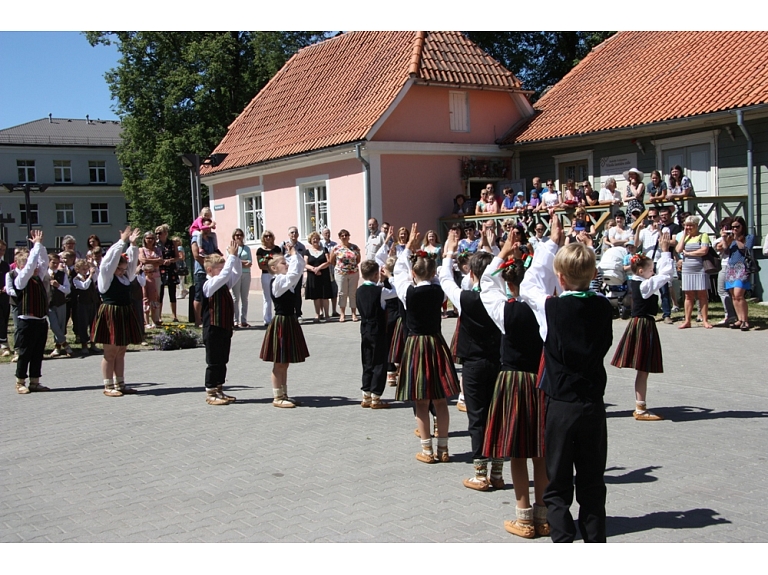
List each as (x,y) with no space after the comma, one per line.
(413,242)
(509,248)
(584,238)
(556,233)
(490,237)
(451,243)
(232,248)
(664,241)
(36,237)
(125,234)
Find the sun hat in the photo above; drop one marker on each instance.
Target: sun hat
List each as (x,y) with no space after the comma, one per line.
(579,226)
(640,175)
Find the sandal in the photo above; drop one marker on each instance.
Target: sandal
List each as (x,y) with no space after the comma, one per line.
(736,325)
(744,326)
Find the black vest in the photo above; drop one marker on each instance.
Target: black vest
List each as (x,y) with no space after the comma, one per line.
(58,297)
(285,304)
(218,309)
(521,344)
(373,317)
(579,334)
(479,338)
(32,300)
(424,308)
(117,293)
(642,307)
(393,306)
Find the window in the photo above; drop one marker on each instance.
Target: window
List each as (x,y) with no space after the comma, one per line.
(65,214)
(62,171)
(26,171)
(33,214)
(99,213)
(98,171)
(253,218)
(315,212)
(459,111)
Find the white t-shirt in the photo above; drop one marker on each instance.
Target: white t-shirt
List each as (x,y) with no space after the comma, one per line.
(648,239)
(550,198)
(606,194)
(622,235)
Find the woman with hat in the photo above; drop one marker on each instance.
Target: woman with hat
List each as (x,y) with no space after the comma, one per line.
(633,196)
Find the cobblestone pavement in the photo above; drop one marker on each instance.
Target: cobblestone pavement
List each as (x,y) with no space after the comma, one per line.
(165,466)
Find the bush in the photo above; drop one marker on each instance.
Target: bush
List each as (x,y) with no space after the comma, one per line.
(176,337)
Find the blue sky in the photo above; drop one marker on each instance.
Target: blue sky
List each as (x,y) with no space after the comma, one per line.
(53,72)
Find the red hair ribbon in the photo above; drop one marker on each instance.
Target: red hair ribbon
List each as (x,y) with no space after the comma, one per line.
(510,262)
(635,258)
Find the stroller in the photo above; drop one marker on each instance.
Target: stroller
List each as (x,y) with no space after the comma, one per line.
(615,285)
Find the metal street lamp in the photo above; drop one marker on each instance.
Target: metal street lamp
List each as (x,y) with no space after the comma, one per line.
(27,189)
(193,162)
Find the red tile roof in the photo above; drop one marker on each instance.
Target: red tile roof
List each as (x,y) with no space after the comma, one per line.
(333,92)
(637,78)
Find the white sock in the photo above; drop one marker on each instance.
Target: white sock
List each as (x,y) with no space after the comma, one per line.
(426,445)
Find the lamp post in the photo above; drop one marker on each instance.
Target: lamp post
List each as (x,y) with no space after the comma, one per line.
(27,189)
(193,162)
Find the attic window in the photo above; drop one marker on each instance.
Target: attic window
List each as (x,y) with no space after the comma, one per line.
(459,111)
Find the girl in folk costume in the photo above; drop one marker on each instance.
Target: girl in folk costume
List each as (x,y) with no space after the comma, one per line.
(516,418)
(116,324)
(427,372)
(639,347)
(218,312)
(284,341)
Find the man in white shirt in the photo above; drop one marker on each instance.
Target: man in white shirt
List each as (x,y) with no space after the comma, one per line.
(375,239)
(647,238)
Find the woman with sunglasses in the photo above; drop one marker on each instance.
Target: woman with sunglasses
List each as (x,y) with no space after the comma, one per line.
(169,275)
(737,272)
(241,288)
(264,255)
(150,258)
(345,258)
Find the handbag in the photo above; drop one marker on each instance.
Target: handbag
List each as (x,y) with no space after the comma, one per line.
(750,263)
(711,261)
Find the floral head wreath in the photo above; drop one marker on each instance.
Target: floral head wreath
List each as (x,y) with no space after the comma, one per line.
(422,254)
(463,254)
(124,256)
(635,259)
(526,260)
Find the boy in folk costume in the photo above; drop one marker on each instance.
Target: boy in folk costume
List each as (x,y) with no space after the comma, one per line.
(218,311)
(577,329)
(58,276)
(372,304)
(32,307)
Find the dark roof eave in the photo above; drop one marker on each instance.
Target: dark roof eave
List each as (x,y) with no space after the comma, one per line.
(423,82)
(610,131)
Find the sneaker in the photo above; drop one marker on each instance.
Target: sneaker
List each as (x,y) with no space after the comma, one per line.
(56,353)
(675,309)
(668,320)
(15,358)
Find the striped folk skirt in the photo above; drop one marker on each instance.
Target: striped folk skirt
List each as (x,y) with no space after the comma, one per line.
(116,325)
(398,342)
(515,426)
(426,370)
(455,342)
(640,347)
(284,341)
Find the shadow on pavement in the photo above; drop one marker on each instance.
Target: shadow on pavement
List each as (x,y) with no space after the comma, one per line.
(691,519)
(636,476)
(680,413)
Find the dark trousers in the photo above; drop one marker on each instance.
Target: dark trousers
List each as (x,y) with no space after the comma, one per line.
(373,353)
(297,294)
(666,302)
(218,342)
(85,314)
(71,313)
(5,315)
(575,436)
(479,378)
(31,338)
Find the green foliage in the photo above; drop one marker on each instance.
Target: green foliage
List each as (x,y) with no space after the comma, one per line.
(538,59)
(177,92)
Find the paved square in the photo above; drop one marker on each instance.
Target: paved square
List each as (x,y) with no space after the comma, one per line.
(165,466)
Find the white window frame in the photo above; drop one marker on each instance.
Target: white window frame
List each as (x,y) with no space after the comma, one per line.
(97,169)
(66,213)
(574,156)
(243,196)
(708,137)
(27,167)
(34,214)
(101,211)
(62,171)
(303,184)
(458,110)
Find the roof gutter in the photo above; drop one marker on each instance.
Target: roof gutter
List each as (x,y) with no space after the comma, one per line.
(366,183)
(713,115)
(423,82)
(750,183)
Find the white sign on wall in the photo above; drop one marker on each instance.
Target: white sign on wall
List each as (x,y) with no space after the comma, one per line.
(615,166)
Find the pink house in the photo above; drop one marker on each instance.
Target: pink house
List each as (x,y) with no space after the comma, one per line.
(391,125)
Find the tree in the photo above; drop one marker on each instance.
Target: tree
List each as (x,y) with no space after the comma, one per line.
(177,92)
(538,59)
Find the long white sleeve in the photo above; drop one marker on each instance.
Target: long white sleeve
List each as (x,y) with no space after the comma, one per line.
(64,287)
(492,293)
(81,284)
(110,262)
(403,277)
(664,274)
(37,263)
(539,283)
(382,254)
(451,290)
(229,276)
(289,280)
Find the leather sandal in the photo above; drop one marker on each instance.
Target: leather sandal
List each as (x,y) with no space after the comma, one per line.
(497,483)
(477,483)
(744,326)
(425,457)
(646,416)
(223,395)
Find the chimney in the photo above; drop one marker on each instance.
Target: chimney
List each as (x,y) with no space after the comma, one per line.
(87,119)
(50,118)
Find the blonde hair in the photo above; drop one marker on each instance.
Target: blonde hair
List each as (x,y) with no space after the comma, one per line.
(577,263)
(21,257)
(425,241)
(390,265)
(692,220)
(213,260)
(274,261)
(162,228)
(312,236)
(266,233)
(81,263)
